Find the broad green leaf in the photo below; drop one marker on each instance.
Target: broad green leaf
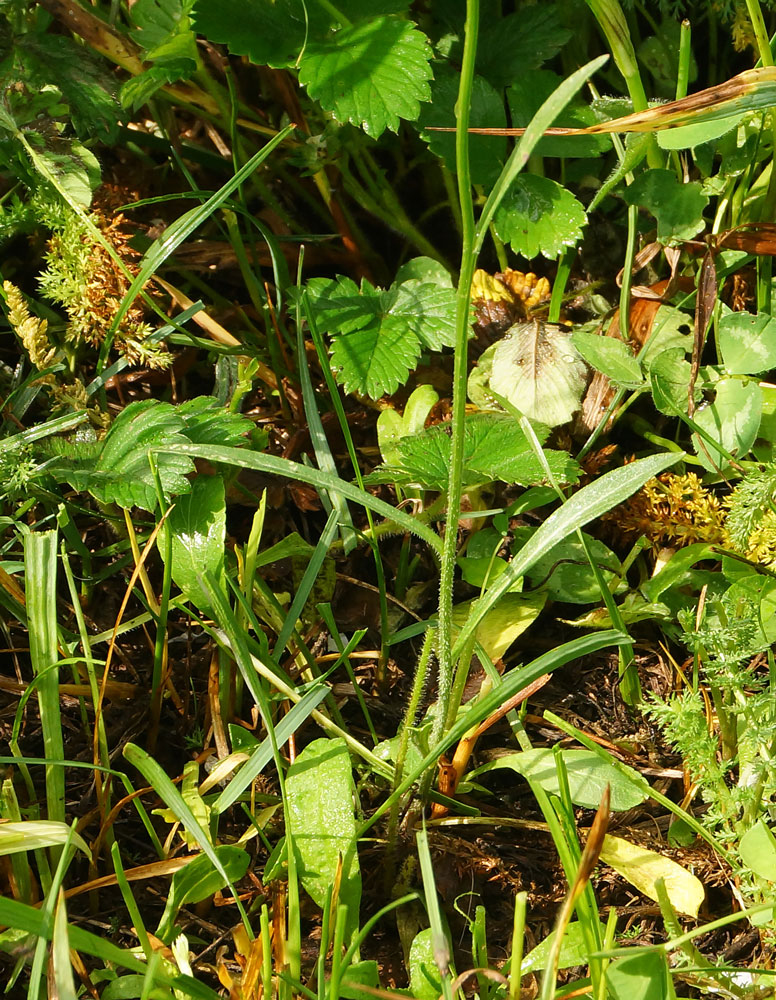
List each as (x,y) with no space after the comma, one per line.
(611,357)
(527,93)
(509,47)
(200,880)
(32,835)
(669,378)
(504,622)
(122,473)
(268,32)
(494,449)
(205,421)
(377,335)
(365,973)
(640,976)
(588,776)
(371,74)
(575,949)
(757,850)
(425,980)
(642,868)
(677,207)
(567,575)
(320,803)
(198,526)
(733,419)
(487,109)
(687,136)
(392,426)
(537,368)
(747,343)
(671,329)
(163,31)
(584,506)
(539,216)
(75,168)
(83,80)
(274,465)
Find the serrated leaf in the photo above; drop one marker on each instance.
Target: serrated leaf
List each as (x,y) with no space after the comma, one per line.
(198,526)
(526,95)
(487,110)
(733,419)
(610,356)
(377,335)
(494,448)
(642,868)
(82,80)
(747,343)
(677,207)
(206,422)
(511,46)
(268,32)
(164,31)
(429,310)
(588,776)
(320,801)
(122,473)
(539,216)
(200,880)
(537,368)
(371,74)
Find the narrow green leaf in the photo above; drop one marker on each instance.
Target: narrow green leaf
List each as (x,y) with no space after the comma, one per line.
(200,880)
(584,506)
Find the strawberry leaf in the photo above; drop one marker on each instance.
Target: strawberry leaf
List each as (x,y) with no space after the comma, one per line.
(539,216)
(370,74)
(377,336)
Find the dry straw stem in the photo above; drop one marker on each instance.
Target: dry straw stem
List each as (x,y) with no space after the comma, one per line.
(752,90)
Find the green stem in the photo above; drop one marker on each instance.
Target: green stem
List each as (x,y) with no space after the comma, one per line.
(468,261)
(612,22)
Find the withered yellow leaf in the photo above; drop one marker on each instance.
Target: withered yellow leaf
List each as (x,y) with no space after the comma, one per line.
(642,868)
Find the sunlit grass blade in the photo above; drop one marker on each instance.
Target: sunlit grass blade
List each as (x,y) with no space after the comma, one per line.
(172,798)
(40,569)
(294,470)
(187,223)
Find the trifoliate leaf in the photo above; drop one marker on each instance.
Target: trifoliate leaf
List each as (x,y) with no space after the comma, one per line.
(429,310)
(486,153)
(677,207)
(539,216)
(371,74)
(164,31)
(537,368)
(377,335)
(494,448)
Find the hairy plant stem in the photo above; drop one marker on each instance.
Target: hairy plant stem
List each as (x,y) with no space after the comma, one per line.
(468,262)
(418,686)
